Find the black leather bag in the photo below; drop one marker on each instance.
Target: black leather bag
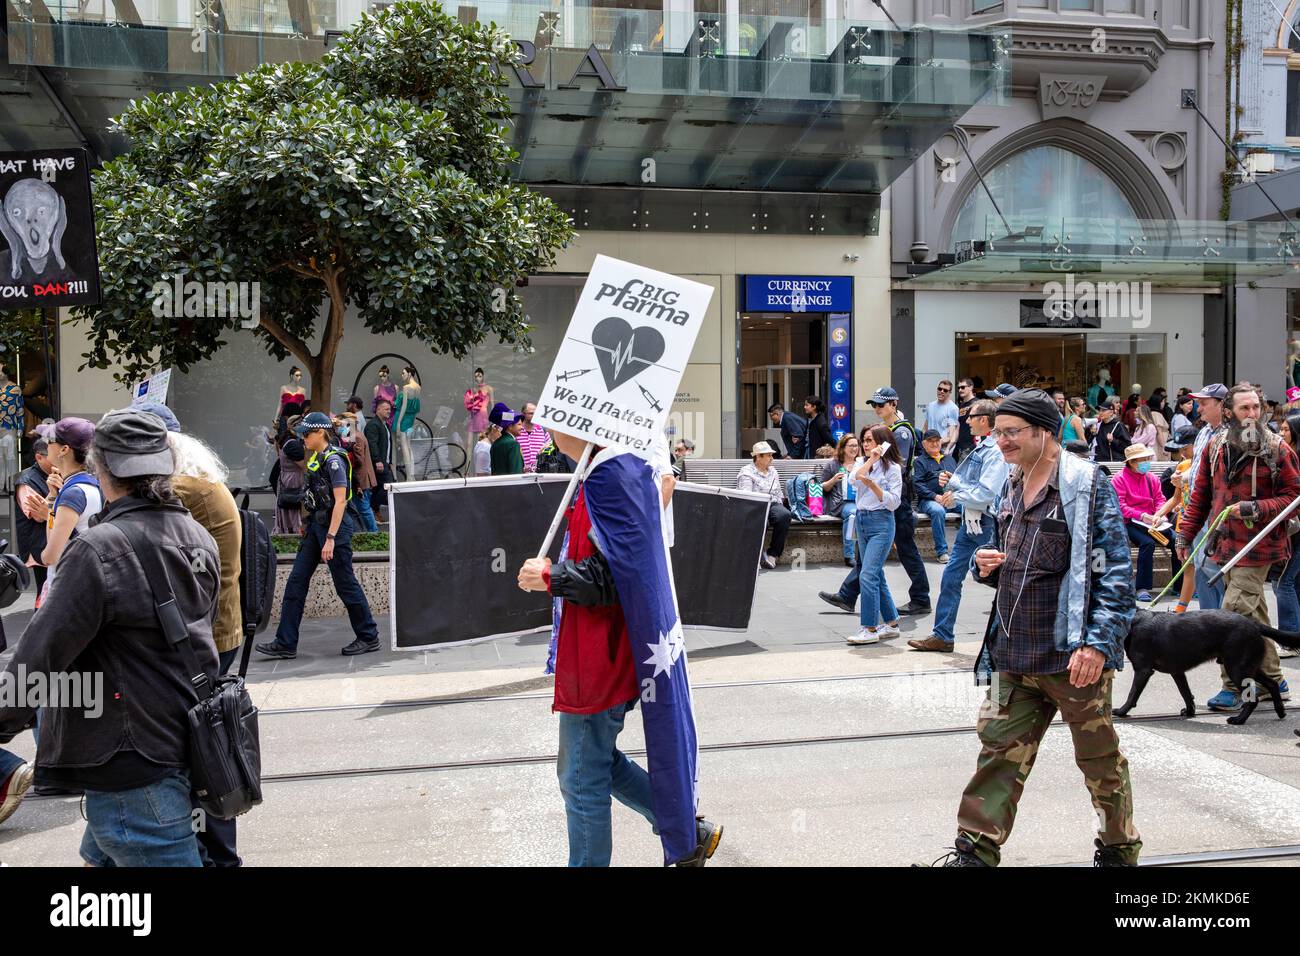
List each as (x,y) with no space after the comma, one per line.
(224,747)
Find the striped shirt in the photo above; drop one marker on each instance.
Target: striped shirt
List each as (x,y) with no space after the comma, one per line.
(531,443)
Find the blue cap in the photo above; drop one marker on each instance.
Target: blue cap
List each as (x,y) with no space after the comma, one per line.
(884,395)
(159,410)
(312,421)
(1002,391)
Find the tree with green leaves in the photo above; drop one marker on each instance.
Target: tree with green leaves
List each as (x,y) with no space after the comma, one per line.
(377,180)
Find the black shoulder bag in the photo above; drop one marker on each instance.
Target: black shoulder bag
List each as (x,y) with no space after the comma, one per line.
(224,748)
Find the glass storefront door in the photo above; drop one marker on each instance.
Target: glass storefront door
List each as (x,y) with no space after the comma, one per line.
(1082,363)
(781,360)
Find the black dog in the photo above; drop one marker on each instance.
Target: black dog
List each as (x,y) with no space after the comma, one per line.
(1175,643)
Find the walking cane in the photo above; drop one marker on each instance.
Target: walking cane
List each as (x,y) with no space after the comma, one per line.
(1282,516)
(564,502)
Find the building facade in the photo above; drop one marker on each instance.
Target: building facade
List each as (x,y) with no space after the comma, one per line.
(1090,148)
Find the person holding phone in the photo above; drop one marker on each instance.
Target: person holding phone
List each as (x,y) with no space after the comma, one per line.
(877,477)
(1063,606)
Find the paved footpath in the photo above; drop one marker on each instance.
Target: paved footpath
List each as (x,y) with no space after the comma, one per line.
(813,753)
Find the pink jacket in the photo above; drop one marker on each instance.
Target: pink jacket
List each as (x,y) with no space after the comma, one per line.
(1138,494)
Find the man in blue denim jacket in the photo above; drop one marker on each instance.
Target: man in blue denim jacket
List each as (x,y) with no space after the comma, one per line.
(973,487)
(1064,604)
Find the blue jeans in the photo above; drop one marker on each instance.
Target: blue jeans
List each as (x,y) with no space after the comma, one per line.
(954,576)
(592,769)
(849,528)
(9,762)
(147,826)
(345,583)
(1146,546)
(1209,598)
(1287,589)
(936,512)
(362,500)
(875,535)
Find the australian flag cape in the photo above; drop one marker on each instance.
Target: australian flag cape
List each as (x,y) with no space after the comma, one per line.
(625,507)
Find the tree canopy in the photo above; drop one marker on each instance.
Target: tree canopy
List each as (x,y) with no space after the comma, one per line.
(377,180)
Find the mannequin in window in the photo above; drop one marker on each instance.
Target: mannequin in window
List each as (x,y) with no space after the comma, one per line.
(479,399)
(408,406)
(293,393)
(385,391)
(11,425)
(1101,388)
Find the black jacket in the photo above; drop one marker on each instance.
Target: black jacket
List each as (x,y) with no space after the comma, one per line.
(1112,439)
(588,582)
(819,434)
(31,534)
(379,436)
(98,619)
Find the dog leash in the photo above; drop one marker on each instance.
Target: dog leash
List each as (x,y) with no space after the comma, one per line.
(1191,557)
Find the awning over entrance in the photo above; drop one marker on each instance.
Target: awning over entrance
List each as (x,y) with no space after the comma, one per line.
(1166,253)
(602,97)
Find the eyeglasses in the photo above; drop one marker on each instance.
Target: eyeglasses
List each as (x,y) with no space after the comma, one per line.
(1010,434)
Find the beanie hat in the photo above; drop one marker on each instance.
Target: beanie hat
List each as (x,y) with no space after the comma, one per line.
(1034,406)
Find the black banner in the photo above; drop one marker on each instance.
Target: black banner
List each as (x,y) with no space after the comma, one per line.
(48,258)
(457,548)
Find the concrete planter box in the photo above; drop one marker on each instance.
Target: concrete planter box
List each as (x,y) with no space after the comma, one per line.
(372,574)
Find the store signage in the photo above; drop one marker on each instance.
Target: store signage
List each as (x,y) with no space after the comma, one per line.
(798,293)
(622,358)
(48,258)
(840,356)
(1070,314)
(591,66)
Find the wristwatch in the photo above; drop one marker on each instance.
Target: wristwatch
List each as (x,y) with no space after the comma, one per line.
(330,535)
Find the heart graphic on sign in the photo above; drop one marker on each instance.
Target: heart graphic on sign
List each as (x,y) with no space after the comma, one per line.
(624,352)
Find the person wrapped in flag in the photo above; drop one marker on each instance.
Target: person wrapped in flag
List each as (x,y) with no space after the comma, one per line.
(618,640)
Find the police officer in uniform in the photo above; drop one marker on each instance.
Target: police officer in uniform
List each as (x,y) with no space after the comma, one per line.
(330,520)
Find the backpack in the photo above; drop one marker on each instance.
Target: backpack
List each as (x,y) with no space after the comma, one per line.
(256,574)
(796,491)
(551,461)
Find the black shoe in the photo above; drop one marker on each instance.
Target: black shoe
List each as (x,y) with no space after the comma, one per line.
(361,647)
(962,854)
(277,650)
(1108,855)
(911,607)
(834,600)
(708,835)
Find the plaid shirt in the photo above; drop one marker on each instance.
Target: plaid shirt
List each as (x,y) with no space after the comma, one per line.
(1036,541)
(1217,486)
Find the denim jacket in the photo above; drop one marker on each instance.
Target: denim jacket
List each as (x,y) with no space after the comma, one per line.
(1097,603)
(978,480)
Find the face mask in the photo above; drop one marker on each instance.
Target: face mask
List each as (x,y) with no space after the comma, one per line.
(1144,467)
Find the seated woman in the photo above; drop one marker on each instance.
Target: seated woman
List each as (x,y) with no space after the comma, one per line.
(761,477)
(841,497)
(1140,499)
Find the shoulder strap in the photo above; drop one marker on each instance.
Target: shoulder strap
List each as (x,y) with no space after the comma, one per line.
(164,599)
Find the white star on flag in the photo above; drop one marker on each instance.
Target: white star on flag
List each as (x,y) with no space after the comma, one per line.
(664,654)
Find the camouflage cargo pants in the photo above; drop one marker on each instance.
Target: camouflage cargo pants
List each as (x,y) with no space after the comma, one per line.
(1012,721)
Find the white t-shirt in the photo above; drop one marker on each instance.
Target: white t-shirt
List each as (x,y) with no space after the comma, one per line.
(483,457)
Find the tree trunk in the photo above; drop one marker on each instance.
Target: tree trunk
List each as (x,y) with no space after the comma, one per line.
(322,379)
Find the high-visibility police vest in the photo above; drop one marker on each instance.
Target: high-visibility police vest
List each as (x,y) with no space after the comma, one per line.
(321,489)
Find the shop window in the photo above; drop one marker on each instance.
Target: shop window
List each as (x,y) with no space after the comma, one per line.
(1293,88)
(1041,185)
(1293,335)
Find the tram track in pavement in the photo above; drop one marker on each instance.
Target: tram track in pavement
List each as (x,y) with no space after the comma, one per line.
(523,760)
(508,695)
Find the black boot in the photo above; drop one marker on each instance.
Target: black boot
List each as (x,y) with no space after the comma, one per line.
(962,854)
(1108,855)
(708,836)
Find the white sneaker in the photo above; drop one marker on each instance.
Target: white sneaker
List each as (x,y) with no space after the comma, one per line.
(864,636)
(768,561)
(943,558)
(888,630)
